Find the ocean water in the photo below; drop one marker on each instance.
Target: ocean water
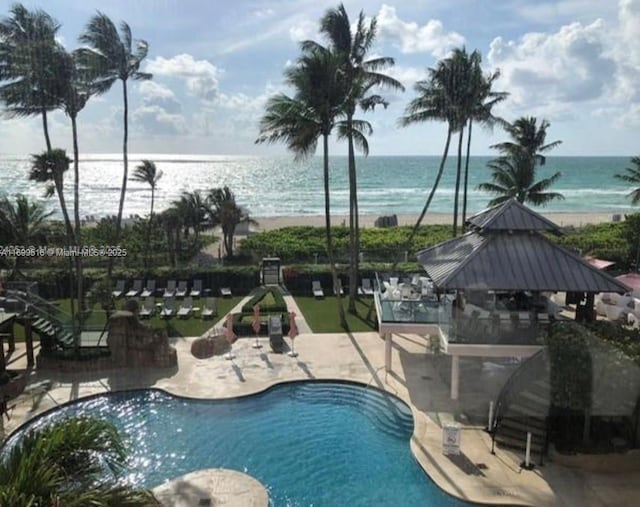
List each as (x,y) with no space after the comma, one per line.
(278,186)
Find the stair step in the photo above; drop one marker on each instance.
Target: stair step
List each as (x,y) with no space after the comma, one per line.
(533,398)
(518,443)
(516,409)
(525,424)
(537,436)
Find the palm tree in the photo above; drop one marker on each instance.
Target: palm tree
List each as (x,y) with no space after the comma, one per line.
(514,171)
(226,212)
(111,56)
(22,223)
(302,120)
(32,84)
(481,112)
(147,172)
(514,177)
(170,219)
(73,462)
(193,209)
(632,175)
(361,75)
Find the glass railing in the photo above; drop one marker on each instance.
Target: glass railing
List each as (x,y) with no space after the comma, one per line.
(498,329)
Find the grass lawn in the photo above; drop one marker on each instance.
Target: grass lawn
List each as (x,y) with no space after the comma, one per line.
(322,314)
(192,326)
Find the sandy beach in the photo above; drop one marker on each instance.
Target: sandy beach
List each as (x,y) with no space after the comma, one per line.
(561,219)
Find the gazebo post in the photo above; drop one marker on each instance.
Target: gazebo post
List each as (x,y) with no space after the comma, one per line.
(388,346)
(589,307)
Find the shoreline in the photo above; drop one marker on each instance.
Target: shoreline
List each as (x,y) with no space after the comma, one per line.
(561,219)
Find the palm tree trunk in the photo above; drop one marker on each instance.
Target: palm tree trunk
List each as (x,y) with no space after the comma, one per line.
(466,177)
(458,175)
(353,222)
(78,238)
(45,128)
(59,184)
(327,219)
(147,247)
(125,175)
(429,199)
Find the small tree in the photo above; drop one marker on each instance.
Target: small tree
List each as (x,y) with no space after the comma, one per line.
(226,212)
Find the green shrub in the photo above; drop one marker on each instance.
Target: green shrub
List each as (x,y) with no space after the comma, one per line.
(279,306)
(243,323)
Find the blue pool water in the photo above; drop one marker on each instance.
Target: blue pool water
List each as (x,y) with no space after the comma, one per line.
(311,443)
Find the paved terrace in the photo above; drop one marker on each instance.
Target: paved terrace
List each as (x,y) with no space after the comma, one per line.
(417,379)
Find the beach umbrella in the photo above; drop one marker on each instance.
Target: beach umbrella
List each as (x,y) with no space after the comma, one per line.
(230,336)
(599,263)
(293,332)
(256,325)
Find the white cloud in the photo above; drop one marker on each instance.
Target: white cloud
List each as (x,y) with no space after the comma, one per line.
(413,38)
(304,30)
(201,76)
(154,120)
(153,89)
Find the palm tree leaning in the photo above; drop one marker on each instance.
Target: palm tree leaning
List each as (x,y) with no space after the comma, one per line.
(111,56)
(632,175)
(226,212)
(514,172)
(300,121)
(147,173)
(73,462)
(22,223)
(360,75)
(31,83)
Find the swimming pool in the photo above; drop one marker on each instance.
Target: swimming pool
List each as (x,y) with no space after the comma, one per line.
(309,443)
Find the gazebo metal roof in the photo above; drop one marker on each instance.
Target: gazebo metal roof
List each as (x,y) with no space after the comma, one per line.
(512,216)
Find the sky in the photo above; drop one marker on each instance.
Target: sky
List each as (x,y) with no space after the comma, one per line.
(215,63)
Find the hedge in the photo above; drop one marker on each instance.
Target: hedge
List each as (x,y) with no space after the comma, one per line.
(242,324)
(279,307)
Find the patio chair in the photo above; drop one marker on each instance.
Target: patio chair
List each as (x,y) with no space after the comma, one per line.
(317,289)
(186,307)
(149,289)
(209,309)
(196,289)
(148,307)
(225,292)
(168,308)
(135,290)
(366,288)
(117,292)
(170,290)
(181,291)
(275,333)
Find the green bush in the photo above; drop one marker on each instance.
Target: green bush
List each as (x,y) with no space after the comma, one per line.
(280,305)
(243,323)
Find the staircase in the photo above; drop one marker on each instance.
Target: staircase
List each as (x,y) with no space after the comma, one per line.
(523,407)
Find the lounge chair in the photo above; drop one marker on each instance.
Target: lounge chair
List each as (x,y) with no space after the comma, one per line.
(366,289)
(117,292)
(186,307)
(170,290)
(135,290)
(148,308)
(225,292)
(209,309)
(168,308)
(149,289)
(317,289)
(275,333)
(196,289)
(181,291)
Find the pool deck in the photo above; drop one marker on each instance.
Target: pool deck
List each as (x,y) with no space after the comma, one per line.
(474,475)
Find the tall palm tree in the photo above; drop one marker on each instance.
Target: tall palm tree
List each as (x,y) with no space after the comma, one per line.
(528,136)
(147,173)
(481,112)
(23,223)
(514,177)
(193,208)
(73,462)
(228,214)
(300,121)
(632,175)
(31,83)
(111,56)
(361,75)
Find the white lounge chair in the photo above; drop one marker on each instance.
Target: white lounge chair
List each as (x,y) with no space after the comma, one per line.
(170,290)
(168,308)
(117,292)
(225,292)
(135,290)
(149,289)
(181,291)
(208,308)
(317,289)
(196,289)
(148,308)
(366,288)
(186,307)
